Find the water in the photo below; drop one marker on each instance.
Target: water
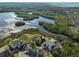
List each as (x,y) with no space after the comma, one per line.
(35,22)
(43,19)
(9,17)
(6,18)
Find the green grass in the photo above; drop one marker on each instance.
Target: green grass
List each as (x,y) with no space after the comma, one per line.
(24,14)
(25,37)
(5,41)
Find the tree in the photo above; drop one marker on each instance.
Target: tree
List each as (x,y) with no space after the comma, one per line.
(19,23)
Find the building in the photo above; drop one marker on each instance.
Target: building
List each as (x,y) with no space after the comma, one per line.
(29,13)
(16,44)
(4,53)
(51,45)
(38,39)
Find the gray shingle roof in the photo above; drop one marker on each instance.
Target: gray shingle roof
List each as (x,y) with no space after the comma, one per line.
(15,43)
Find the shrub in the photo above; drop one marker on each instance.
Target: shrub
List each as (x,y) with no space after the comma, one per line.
(19,23)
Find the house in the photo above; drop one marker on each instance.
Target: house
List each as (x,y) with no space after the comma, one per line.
(4,53)
(30,13)
(50,45)
(38,39)
(16,44)
(34,52)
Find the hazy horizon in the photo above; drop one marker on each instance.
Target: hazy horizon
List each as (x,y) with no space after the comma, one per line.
(32,4)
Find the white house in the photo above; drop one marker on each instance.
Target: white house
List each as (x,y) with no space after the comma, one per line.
(30,13)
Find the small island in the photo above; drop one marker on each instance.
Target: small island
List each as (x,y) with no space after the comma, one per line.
(19,23)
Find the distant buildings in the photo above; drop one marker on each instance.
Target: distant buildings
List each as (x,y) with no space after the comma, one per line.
(29,13)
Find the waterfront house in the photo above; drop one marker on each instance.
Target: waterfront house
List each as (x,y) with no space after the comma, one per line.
(38,39)
(16,44)
(50,45)
(4,53)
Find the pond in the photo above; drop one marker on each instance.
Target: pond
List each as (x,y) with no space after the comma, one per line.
(43,19)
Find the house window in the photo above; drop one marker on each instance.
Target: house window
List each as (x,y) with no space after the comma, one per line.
(52,46)
(44,45)
(55,42)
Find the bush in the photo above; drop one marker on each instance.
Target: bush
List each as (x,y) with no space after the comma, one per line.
(19,23)
(5,42)
(69,48)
